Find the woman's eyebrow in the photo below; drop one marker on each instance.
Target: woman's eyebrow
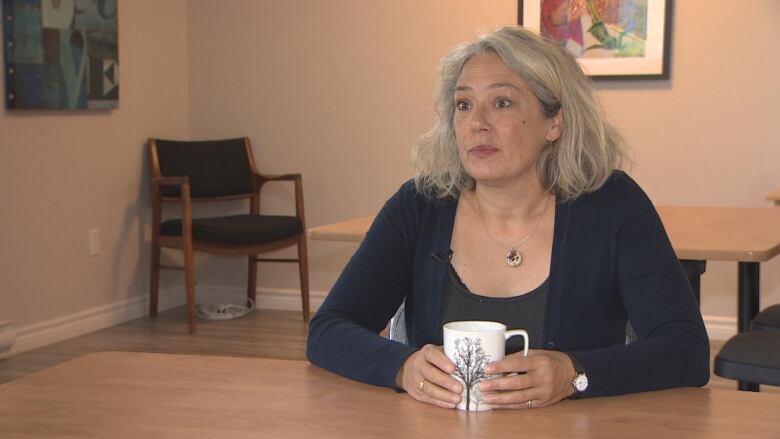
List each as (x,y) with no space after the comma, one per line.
(494,85)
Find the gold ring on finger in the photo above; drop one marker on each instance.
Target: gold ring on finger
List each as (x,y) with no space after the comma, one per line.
(422,384)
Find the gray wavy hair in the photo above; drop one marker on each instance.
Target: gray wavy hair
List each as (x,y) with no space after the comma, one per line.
(580,161)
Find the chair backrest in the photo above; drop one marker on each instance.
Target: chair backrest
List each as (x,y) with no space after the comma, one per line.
(216,168)
(767,320)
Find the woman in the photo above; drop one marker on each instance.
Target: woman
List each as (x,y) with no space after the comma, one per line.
(517,213)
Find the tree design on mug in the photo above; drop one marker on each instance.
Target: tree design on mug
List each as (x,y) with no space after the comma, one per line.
(470,362)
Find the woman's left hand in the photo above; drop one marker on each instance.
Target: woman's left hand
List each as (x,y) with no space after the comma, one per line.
(547,380)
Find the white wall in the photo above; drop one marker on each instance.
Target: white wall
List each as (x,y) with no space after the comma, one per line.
(335,90)
(706,137)
(339,90)
(63,173)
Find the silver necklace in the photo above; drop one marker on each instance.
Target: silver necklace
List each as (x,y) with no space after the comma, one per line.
(514,258)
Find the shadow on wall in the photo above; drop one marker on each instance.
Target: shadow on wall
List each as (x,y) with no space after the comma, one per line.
(135,224)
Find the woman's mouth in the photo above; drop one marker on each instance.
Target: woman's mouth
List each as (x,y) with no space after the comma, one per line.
(482,151)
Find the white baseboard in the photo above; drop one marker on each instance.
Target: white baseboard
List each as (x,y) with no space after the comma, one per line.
(65,327)
(287,299)
(720,328)
(83,322)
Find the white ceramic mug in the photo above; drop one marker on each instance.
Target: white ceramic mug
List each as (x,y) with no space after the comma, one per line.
(471,345)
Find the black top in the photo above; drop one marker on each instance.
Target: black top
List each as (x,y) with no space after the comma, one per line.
(525,311)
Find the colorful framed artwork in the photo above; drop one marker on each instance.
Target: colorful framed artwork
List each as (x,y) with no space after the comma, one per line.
(611,39)
(61,54)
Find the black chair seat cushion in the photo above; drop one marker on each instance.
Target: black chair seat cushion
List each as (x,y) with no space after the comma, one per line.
(237,229)
(767,320)
(751,356)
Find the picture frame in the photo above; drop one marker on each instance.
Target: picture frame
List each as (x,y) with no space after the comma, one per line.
(61,55)
(611,39)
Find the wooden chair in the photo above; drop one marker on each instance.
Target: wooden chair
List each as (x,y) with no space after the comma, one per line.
(188,172)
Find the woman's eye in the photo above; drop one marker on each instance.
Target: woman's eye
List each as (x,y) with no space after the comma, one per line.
(462,105)
(503,103)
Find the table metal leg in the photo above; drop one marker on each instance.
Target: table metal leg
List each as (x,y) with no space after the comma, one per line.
(749,302)
(694,269)
(749,276)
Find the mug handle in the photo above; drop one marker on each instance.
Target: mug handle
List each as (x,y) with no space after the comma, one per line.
(515,332)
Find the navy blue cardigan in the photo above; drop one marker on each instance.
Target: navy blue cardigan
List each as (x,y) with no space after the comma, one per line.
(611,263)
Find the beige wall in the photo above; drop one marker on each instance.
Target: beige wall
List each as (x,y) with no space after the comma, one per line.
(706,137)
(62,173)
(338,90)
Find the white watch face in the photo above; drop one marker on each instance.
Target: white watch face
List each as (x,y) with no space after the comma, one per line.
(581,382)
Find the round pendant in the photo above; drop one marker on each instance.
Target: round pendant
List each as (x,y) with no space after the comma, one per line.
(514,258)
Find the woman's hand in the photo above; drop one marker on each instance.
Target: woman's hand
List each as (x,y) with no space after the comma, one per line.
(547,380)
(425,376)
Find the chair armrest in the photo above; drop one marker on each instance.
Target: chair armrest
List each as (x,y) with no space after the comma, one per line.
(261,179)
(186,205)
(182,182)
(170,181)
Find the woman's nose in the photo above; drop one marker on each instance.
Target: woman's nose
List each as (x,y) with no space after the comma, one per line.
(478,120)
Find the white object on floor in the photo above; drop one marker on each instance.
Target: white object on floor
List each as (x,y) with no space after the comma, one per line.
(213,311)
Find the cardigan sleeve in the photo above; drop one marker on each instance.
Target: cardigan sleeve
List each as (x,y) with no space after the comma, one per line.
(672,348)
(343,335)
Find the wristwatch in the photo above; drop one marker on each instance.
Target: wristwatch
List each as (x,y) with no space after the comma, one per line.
(580,380)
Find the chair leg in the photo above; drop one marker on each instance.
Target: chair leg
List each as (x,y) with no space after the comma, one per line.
(303,268)
(189,275)
(251,289)
(154,282)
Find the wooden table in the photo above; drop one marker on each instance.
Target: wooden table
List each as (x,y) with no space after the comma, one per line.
(348,231)
(774,197)
(745,235)
(139,395)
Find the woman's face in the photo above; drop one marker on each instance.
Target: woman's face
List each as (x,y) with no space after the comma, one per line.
(499,124)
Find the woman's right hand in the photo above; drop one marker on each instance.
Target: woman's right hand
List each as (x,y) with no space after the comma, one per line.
(425,376)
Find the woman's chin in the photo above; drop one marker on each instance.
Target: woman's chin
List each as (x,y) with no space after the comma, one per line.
(486,172)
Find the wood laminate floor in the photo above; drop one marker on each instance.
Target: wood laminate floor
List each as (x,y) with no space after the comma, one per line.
(264,333)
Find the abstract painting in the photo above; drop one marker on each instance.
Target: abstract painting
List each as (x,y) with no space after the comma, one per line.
(611,39)
(61,54)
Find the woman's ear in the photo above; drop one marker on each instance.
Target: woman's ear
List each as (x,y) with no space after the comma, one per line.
(556,126)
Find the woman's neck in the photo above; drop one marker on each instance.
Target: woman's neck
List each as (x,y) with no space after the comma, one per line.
(508,204)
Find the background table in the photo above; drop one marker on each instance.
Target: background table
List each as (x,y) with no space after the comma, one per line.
(744,235)
(123,394)
(353,230)
(774,197)
(748,236)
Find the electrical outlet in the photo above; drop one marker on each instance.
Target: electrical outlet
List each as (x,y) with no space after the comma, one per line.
(94,242)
